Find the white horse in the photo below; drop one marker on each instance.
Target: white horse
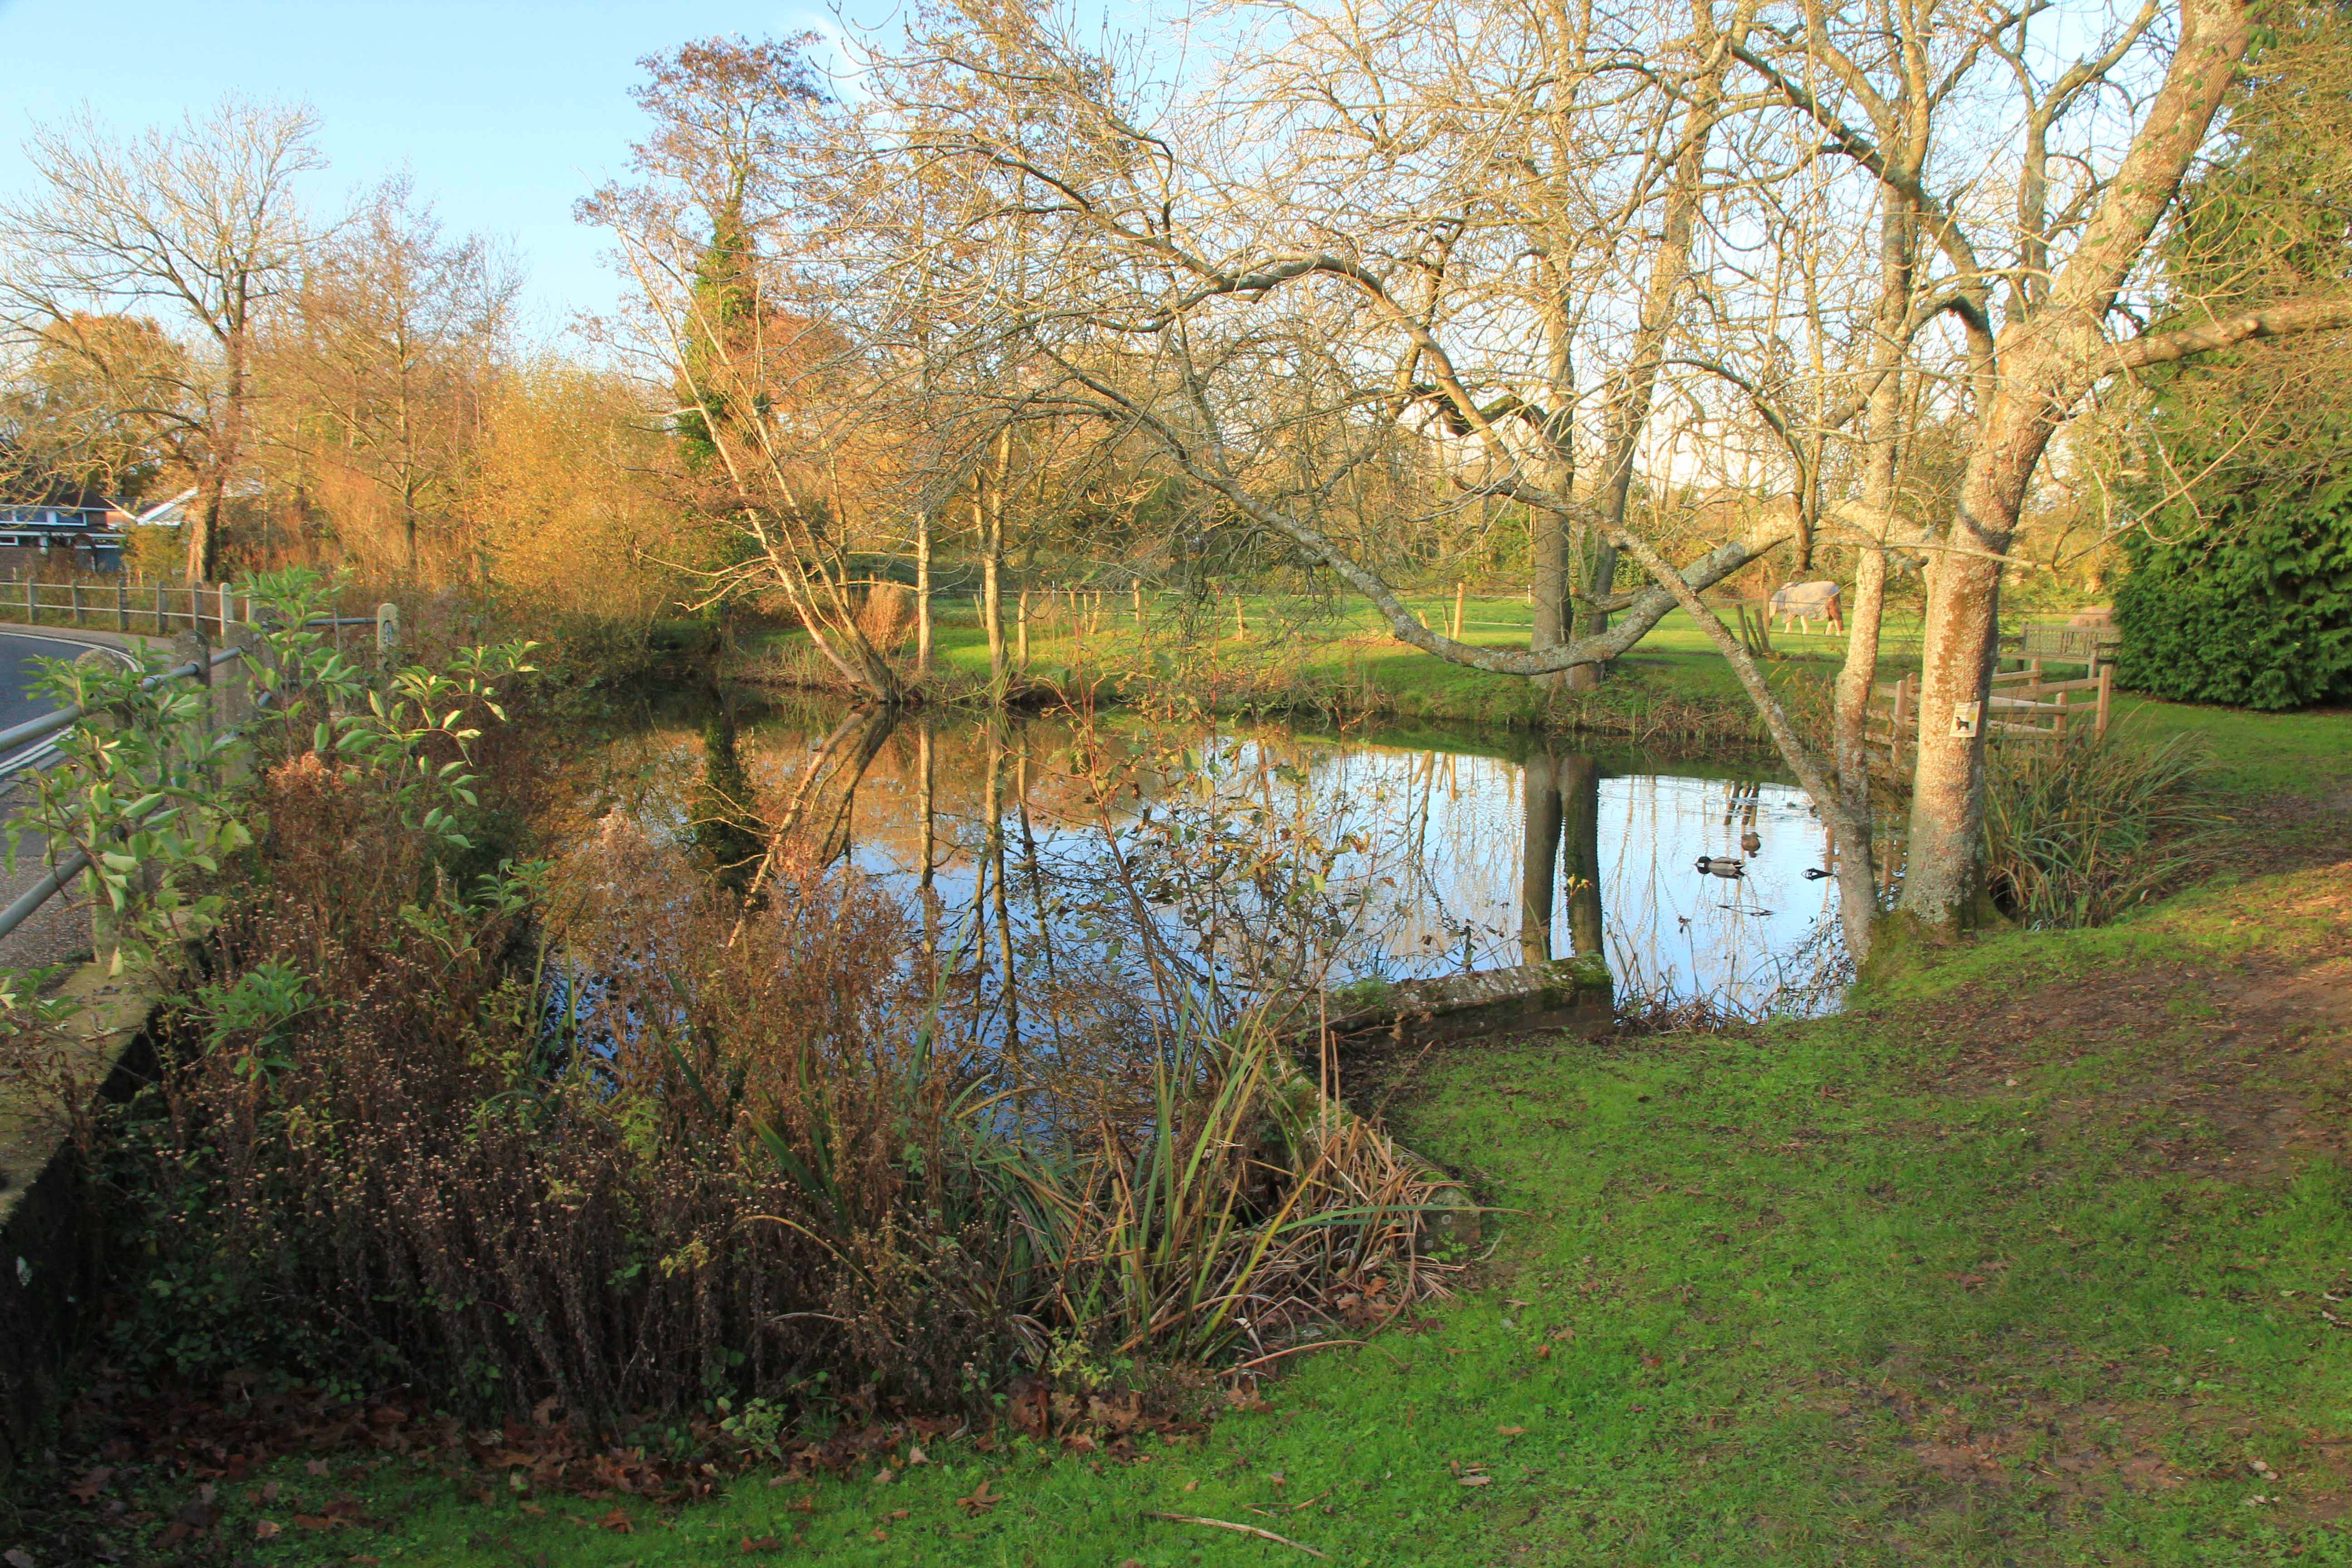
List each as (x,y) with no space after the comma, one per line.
(1801,602)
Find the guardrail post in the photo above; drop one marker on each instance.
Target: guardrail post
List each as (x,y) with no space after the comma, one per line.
(387,631)
(77,602)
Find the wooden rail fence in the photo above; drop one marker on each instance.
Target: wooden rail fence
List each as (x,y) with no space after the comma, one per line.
(2024,706)
(150,609)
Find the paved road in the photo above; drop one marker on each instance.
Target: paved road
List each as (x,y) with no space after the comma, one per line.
(61,928)
(19,652)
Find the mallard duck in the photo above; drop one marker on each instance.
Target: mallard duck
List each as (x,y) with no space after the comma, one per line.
(1751,841)
(1720,865)
(1814,873)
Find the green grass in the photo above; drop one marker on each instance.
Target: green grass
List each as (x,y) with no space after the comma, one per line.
(1962,1275)
(2296,753)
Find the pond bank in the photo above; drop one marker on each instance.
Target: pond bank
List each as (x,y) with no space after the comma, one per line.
(2031,1257)
(1663,694)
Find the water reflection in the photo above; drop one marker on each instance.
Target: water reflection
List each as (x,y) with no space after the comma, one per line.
(1442,857)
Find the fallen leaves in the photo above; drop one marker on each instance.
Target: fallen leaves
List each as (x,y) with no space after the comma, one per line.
(87,1489)
(981,1500)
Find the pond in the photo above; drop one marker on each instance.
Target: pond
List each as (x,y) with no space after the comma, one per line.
(1271,855)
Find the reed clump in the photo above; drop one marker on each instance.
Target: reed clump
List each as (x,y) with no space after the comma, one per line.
(2080,828)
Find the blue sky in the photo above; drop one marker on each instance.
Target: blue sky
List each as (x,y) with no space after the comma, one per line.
(506,111)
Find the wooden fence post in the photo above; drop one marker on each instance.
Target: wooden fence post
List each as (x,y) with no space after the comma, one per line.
(121,606)
(2106,684)
(1135,588)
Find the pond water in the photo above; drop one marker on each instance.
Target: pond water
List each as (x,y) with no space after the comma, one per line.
(1388,854)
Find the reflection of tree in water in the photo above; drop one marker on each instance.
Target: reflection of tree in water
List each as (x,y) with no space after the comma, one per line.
(720,819)
(1006,848)
(1561,798)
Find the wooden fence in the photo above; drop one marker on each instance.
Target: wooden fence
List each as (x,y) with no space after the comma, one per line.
(2023,706)
(157,609)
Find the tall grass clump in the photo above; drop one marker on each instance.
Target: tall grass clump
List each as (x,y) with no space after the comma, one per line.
(2080,828)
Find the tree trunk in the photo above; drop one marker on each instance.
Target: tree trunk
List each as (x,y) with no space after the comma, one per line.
(988,502)
(203,526)
(923,597)
(1939,876)
(1553,607)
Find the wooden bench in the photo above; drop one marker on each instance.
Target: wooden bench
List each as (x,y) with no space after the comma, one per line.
(2090,646)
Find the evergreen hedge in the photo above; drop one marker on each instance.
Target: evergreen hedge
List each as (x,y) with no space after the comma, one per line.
(2250,605)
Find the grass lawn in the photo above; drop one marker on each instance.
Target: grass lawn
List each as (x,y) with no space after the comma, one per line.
(2027,1259)
(1346,648)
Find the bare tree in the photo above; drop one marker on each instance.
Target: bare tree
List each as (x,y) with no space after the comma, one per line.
(2036,289)
(198,224)
(707,234)
(384,361)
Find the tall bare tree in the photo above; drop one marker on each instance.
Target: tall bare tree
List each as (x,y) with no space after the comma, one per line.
(384,363)
(198,224)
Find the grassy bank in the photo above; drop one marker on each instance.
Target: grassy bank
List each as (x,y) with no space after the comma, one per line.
(2034,1258)
(1338,660)
(1673,686)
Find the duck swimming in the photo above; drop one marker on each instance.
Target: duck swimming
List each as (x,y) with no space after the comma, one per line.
(1751,841)
(1720,865)
(1814,873)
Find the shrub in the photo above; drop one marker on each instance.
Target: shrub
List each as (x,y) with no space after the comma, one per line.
(2254,605)
(610,1132)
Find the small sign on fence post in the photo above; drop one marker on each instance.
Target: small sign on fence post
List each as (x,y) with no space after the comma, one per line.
(387,630)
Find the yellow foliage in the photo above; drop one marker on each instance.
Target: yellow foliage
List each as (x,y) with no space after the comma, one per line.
(561,499)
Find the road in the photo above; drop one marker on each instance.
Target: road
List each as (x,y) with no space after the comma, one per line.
(19,652)
(60,929)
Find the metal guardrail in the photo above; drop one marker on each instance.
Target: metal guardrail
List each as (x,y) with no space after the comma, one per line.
(63,873)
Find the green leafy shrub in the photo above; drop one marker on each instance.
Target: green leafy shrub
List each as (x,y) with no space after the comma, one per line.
(2239,583)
